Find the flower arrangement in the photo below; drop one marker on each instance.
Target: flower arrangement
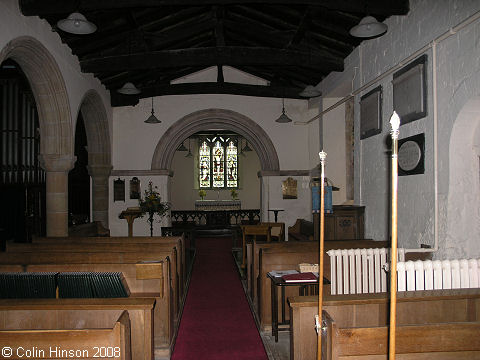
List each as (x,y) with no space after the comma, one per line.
(152,205)
(202,193)
(234,194)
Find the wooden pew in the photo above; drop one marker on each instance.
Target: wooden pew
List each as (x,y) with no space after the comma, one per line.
(82,344)
(277,230)
(68,314)
(253,230)
(151,279)
(440,324)
(178,241)
(287,256)
(154,251)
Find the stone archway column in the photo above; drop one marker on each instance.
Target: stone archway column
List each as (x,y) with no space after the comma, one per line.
(57,168)
(100,175)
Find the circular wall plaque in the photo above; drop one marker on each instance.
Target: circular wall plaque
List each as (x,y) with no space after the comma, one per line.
(409,155)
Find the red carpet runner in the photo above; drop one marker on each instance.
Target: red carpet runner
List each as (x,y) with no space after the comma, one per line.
(217,323)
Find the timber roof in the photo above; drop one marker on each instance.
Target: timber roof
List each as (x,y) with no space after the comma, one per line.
(291,44)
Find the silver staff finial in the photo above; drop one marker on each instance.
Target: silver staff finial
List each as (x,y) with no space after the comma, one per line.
(323,155)
(395,123)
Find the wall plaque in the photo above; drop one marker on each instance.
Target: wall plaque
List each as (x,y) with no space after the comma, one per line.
(411,155)
(371,113)
(289,188)
(135,188)
(410,91)
(118,190)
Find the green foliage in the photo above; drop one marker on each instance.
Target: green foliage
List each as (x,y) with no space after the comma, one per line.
(152,203)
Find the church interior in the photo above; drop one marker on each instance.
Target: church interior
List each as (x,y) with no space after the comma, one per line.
(177,176)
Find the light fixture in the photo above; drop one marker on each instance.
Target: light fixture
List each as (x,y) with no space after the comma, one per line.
(76,23)
(189,155)
(152,119)
(368,27)
(128,89)
(182,148)
(310,92)
(283,118)
(246,148)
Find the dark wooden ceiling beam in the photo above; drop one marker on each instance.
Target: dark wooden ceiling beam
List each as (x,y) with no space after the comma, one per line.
(46,7)
(212,56)
(207,88)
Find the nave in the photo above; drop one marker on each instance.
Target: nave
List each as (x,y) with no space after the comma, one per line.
(217,322)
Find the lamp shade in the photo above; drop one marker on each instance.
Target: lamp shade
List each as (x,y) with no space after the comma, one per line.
(128,89)
(152,119)
(283,118)
(310,91)
(368,27)
(76,23)
(182,148)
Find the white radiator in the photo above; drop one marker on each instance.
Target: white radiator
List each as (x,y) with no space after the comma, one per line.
(358,271)
(437,274)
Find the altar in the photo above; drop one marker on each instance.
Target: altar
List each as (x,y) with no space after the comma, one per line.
(215,205)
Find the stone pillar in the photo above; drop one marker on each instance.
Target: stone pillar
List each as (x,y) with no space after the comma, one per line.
(100,175)
(57,168)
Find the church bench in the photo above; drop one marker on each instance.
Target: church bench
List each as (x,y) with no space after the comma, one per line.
(287,256)
(253,230)
(277,259)
(150,279)
(440,324)
(178,241)
(154,251)
(74,314)
(79,343)
(253,253)
(302,230)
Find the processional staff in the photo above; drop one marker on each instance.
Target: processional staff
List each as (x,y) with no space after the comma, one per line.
(318,318)
(395,123)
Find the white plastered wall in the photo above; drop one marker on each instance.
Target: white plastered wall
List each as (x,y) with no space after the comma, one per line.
(13,25)
(296,147)
(458,79)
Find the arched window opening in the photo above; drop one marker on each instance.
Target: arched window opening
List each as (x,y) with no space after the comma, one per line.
(218,161)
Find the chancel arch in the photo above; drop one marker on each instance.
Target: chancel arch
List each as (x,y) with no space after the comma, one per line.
(56,141)
(207,119)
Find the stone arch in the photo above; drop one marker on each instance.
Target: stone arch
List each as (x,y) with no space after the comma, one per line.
(49,90)
(206,119)
(99,152)
(463,211)
(56,135)
(96,127)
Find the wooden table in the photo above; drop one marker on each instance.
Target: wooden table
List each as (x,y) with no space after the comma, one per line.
(305,288)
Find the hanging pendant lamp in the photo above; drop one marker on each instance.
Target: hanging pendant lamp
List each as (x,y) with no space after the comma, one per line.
(368,27)
(152,119)
(76,23)
(310,92)
(246,148)
(128,89)
(182,148)
(283,118)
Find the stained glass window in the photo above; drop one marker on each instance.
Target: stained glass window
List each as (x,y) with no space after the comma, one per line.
(204,159)
(218,162)
(232,165)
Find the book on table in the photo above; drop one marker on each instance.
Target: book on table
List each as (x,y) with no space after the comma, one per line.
(300,277)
